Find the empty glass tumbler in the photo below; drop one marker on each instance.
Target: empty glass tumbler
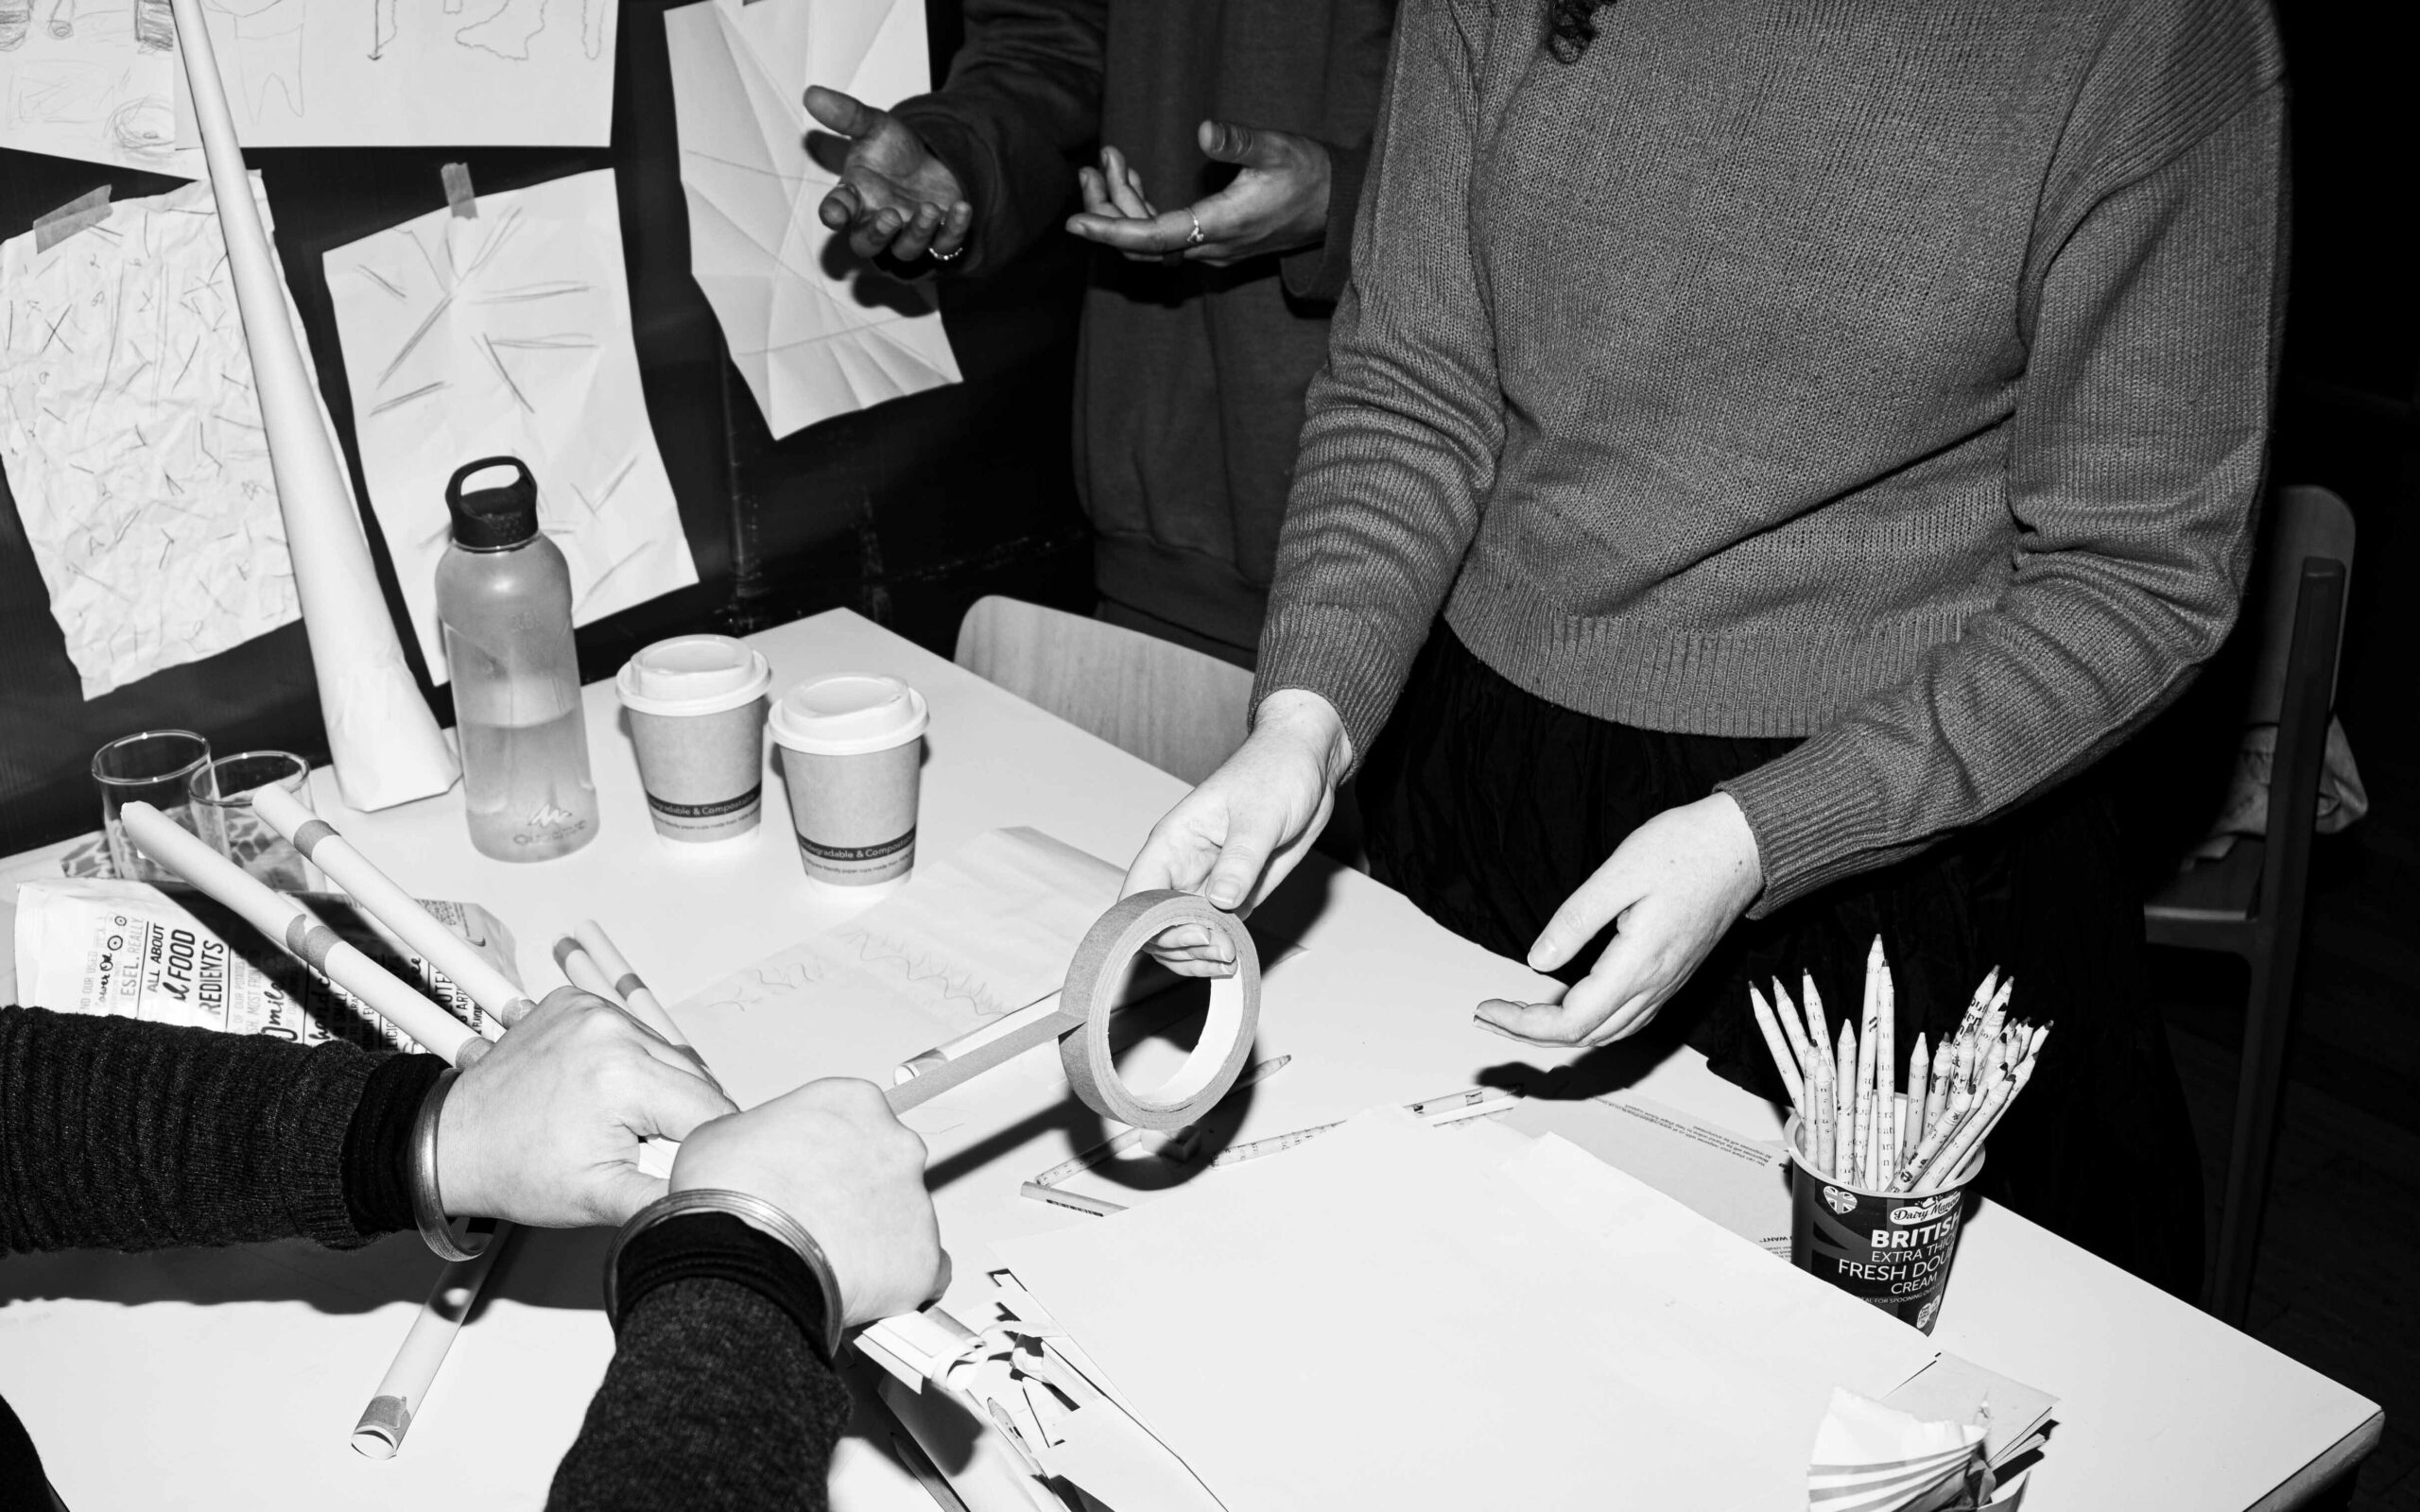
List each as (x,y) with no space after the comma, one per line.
(155,766)
(221,793)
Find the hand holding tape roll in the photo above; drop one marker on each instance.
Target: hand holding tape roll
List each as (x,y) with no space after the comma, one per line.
(1085,1005)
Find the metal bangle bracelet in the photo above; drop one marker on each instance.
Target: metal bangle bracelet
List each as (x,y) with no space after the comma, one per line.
(750,1209)
(428,1202)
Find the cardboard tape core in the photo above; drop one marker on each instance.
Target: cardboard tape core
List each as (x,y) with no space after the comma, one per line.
(1098,969)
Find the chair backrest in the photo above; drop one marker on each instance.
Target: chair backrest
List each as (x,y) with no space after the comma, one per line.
(2307,522)
(2302,628)
(1182,712)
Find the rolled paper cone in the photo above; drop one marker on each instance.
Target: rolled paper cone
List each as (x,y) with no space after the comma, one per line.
(2034,1043)
(1945,1055)
(643,1002)
(1778,1047)
(1976,1004)
(461,962)
(1817,1063)
(386,744)
(296,931)
(404,1387)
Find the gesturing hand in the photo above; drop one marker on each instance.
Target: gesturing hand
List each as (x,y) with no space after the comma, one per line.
(831,1157)
(545,1128)
(1241,832)
(893,196)
(1278,202)
(1671,889)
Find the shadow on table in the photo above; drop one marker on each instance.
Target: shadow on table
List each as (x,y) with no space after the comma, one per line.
(1607,1069)
(542,1268)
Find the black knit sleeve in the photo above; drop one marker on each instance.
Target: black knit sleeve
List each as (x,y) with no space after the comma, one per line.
(717,1399)
(125,1135)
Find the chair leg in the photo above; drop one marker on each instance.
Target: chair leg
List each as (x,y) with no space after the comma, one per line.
(2268,1013)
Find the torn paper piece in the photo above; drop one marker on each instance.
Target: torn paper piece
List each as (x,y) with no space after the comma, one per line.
(815,332)
(133,441)
(405,73)
(95,81)
(1873,1458)
(508,332)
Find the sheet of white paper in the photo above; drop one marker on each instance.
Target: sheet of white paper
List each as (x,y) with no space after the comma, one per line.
(1736,1182)
(1386,1317)
(133,443)
(93,79)
(412,73)
(509,333)
(815,332)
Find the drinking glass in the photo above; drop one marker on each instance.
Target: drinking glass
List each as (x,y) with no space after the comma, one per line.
(155,766)
(221,791)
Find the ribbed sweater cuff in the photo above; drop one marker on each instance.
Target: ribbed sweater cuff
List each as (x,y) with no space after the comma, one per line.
(1339,654)
(1813,812)
(311,1122)
(1316,274)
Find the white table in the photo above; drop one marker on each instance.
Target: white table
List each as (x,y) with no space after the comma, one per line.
(232,1379)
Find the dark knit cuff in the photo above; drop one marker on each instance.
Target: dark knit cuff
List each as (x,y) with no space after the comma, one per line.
(719,1246)
(1814,811)
(1316,275)
(1340,654)
(377,1162)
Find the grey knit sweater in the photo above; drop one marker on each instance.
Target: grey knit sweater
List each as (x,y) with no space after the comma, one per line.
(1892,375)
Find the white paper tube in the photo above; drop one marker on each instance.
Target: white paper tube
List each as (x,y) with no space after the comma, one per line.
(377,893)
(405,1388)
(294,929)
(386,744)
(634,993)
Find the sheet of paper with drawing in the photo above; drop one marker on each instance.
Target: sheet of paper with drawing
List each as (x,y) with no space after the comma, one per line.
(1400,1316)
(413,73)
(133,443)
(93,79)
(815,332)
(975,935)
(508,332)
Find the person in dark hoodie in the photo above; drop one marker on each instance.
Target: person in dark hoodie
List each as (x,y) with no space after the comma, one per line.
(1251,119)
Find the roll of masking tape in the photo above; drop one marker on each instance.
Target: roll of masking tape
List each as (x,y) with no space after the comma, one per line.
(1082,1022)
(1094,977)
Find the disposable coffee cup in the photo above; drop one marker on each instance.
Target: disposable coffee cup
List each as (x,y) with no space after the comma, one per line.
(697,708)
(851,747)
(1891,1249)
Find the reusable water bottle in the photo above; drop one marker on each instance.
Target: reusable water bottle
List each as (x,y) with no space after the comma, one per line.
(504,599)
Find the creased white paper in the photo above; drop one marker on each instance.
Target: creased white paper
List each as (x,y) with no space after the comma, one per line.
(133,443)
(93,79)
(413,73)
(815,332)
(509,333)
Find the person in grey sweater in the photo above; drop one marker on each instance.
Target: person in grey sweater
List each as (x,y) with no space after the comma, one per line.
(1768,455)
(125,1135)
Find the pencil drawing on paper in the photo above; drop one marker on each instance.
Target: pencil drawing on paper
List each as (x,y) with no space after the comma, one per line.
(88,79)
(267,52)
(506,31)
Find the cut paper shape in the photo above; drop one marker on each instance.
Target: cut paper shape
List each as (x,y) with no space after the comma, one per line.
(509,333)
(93,79)
(132,440)
(387,72)
(815,332)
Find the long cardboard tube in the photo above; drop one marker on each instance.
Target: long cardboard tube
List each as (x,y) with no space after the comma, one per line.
(385,742)
(296,931)
(404,1387)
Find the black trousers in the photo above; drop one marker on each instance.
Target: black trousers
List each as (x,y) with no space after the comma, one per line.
(1488,805)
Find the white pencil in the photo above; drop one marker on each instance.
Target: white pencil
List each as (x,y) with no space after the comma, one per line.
(1844,1103)
(1777,1045)
(1913,1129)
(1815,1056)
(1886,1066)
(404,1387)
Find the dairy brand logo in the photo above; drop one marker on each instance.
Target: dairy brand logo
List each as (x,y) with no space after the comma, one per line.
(1927,1211)
(1837,1200)
(1924,1318)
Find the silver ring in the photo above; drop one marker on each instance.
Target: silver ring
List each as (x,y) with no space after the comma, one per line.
(1194,239)
(940,256)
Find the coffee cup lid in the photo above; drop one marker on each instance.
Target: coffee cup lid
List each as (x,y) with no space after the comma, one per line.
(692,675)
(849,714)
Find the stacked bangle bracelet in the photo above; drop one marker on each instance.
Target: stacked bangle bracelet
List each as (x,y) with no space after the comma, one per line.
(750,1209)
(428,1201)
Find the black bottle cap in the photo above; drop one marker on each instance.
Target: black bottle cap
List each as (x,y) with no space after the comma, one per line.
(492,519)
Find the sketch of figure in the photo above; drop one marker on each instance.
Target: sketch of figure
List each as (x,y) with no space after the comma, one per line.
(268,49)
(16,19)
(508,29)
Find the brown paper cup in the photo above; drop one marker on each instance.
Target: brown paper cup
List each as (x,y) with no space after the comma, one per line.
(856,814)
(704,774)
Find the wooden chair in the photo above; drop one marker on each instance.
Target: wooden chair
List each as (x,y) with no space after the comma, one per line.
(2250,903)
(1176,707)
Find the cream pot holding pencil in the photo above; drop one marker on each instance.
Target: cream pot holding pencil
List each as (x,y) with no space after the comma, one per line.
(852,755)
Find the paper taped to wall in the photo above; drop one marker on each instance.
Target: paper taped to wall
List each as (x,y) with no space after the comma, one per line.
(132,440)
(93,79)
(508,332)
(816,331)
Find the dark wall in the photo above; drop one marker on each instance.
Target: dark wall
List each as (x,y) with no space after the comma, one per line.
(906,513)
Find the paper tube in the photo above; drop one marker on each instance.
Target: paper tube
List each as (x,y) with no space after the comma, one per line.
(386,744)
(404,1387)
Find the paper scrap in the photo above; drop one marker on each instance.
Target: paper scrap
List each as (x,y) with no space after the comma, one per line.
(1953,1386)
(814,330)
(509,333)
(95,81)
(407,73)
(132,440)
(1873,1458)
(1401,1292)
(1740,1183)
